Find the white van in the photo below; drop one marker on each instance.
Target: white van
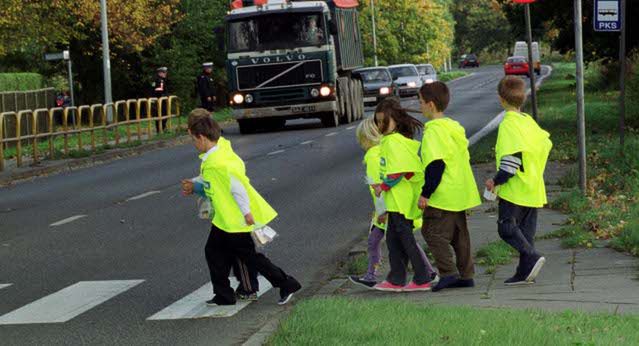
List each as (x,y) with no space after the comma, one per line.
(521,49)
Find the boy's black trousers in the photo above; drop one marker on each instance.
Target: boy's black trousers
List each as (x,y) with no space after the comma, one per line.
(223,248)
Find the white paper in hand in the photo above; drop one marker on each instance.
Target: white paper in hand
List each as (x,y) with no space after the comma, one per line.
(380,206)
(263,235)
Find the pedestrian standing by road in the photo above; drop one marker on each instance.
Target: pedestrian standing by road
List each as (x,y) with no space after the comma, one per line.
(403,177)
(239,210)
(521,151)
(159,88)
(368,136)
(449,189)
(206,87)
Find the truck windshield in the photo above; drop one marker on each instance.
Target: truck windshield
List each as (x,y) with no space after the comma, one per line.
(375,76)
(277,31)
(403,71)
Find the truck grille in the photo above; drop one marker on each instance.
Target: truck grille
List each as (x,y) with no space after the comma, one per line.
(280,95)
(277,75)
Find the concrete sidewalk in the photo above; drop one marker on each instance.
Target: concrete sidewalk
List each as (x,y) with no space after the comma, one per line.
(599,279)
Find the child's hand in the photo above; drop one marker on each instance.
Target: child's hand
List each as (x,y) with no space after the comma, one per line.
(423,202)
(490,185)
(248,218)
(378,190)
(187,187)
(382,218)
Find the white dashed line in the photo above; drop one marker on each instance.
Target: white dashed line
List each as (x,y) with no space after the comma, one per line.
(275,152)
(146,194)
(306,142)
(350,127)
(67,220)
(4,285)
(331,134)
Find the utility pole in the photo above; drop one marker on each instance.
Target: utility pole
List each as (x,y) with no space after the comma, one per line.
(67,57)
(374,32)
(581,120)
(531,64)
(622,78)
(106,60)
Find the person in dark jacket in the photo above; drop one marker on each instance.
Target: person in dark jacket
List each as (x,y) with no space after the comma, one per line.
(206,87)
(159,88)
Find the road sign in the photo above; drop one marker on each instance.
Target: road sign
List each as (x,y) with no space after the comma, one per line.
(54,56)
(606,16)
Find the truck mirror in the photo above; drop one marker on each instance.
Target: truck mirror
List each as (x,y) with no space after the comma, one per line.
(332,27)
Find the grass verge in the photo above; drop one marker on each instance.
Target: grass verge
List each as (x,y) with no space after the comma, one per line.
(494,254)
(448,76)
(348,321)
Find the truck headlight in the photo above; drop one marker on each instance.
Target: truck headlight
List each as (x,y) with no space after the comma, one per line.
(412,84)
(248,98)
(384,91)
(238,99)
(325,91)
(315,92)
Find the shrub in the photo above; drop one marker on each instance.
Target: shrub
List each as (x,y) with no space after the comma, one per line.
(20,81)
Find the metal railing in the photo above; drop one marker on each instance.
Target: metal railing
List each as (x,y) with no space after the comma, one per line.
(164,108)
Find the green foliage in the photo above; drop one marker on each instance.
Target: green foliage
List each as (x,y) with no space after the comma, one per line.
(357,264)
(20,81)
(494,254)
(481,27)
(448,76)
(398,321)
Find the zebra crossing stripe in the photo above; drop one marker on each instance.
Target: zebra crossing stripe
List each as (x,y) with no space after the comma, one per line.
(194,306)
(69,302)
(4,285)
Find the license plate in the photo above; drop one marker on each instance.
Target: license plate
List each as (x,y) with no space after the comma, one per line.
(303,109)
(370,99)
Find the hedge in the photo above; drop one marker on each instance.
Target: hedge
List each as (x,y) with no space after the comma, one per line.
(20,81)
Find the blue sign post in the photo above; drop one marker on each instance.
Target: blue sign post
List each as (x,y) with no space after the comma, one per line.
(607,16)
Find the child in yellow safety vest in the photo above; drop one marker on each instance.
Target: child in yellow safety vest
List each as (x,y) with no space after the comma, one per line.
(368,136)
(239,209)
(521,151)
(402,178)
(449,189)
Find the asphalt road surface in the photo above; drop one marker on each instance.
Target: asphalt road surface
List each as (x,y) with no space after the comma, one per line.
(114,254)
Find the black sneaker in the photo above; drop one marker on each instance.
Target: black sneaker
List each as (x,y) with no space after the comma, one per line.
(536,268)
(214,302)
(464,283)
(361,281)
(516,281)
(286,292)
(445,282)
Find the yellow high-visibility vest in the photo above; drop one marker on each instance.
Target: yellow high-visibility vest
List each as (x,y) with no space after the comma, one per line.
(445,139)
(520,133)
(216,171)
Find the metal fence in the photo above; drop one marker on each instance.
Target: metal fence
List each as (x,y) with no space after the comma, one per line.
(84,119)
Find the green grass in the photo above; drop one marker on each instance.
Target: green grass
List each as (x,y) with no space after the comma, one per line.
(357,264)
(494,254)
(448,76)
(20,81)
(344,321)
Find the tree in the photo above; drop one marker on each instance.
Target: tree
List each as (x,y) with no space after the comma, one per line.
(481,26)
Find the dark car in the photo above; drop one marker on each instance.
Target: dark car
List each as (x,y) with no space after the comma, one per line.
(377,83)
(469,60)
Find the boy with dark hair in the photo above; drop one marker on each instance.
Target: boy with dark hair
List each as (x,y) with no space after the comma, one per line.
(238,209)
(522,150)
(449,189)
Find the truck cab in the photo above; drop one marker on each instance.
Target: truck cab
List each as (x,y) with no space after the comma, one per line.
(293,59)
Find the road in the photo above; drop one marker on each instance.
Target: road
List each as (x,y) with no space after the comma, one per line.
(126,245)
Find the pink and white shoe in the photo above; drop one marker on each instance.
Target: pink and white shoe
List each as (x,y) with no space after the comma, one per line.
(413,287)
(388,287)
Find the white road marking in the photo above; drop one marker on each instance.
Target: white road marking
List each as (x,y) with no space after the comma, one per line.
(194,306)
(306,142)
(68,303)
(275,152)
(350,127)
(67,220)
(140,196)
(4,285)
(331,134)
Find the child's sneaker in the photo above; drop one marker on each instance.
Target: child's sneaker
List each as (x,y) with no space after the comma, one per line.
(362,281)
(388,287)
(534,272)
(517,281)
(286,293)
(413,287)
(445,282)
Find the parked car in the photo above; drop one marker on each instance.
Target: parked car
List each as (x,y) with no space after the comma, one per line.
(377,83)
(427,73)
(469,60)
(517,65)
(406,79)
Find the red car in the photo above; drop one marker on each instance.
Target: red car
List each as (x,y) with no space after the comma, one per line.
(517,65)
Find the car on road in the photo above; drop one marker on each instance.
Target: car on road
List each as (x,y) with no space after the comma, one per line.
(517,66)
(427,73)
(406,79)
(521,49)
(468,60)
(377,83)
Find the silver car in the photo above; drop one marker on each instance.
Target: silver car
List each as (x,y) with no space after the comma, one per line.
(427,73)
(406,79)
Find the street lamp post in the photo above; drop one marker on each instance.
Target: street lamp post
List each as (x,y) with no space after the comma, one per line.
(106,60)
(374,32)
(579,76)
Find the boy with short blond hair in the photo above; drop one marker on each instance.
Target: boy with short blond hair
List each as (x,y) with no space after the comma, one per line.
(522,151)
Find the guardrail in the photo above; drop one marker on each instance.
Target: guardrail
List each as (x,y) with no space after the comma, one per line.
(164,108)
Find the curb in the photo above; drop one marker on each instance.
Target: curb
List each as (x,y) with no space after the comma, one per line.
(493,124)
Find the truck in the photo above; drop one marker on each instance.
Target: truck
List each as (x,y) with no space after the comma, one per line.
(290,59)
(521,49)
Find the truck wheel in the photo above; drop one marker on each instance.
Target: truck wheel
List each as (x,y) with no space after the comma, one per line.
(330,119)
(247,126)
(347,98)
(341,97)
(352,85)
(360,100)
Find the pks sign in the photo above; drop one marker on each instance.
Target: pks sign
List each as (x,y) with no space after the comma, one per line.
(607,15)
